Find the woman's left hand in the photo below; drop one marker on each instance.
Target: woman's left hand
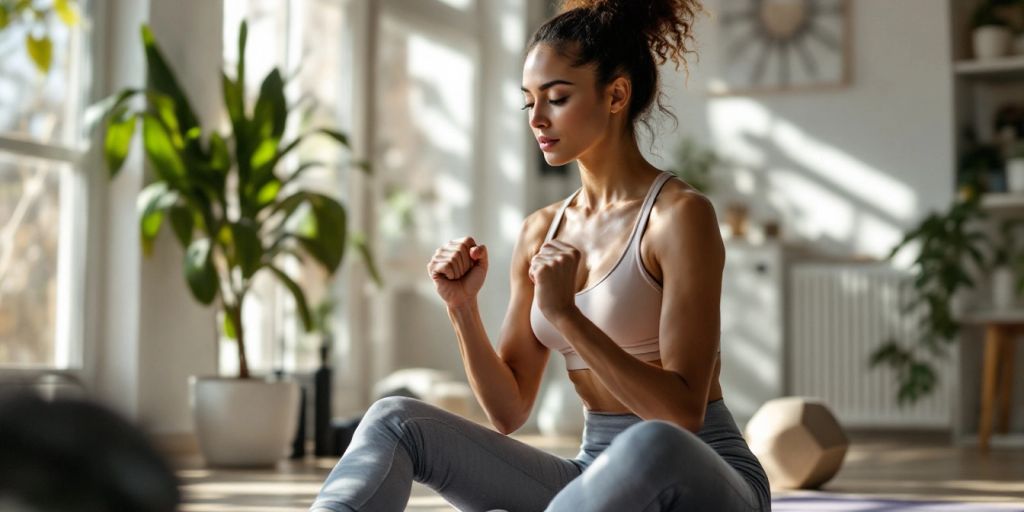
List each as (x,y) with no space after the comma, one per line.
(553,272)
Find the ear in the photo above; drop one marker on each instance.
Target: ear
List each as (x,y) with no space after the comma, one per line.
(619,91)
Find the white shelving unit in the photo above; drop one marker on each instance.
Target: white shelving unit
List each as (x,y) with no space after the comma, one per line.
(1003,203)
(981,88)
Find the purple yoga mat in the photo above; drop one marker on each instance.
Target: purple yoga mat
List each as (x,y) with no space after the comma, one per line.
(834,503)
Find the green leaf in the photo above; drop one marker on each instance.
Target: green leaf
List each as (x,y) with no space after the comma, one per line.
(233,99)
(161,151)
(199,271)
(264,154)
(40,50)
(300,297)
(5,17)
(268,193)
(325,237)
(271,111)
(247,249)
(160,78)
(163,106)
(336,135)
(229,327)
(120,131)
(66,11)
(243,36)
(220,158)
(358,240)
(182,220)
(151,204)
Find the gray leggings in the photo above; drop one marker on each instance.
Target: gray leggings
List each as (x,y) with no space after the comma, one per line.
(626,464)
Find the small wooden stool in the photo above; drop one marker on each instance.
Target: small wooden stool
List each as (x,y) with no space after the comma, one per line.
(997,368)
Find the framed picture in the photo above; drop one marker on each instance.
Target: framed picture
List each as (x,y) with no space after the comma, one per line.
(782,45)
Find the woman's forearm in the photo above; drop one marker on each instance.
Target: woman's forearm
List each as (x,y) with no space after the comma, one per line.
(492,380)
(647,390)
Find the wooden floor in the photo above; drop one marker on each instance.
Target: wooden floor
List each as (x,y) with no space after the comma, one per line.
(879,465)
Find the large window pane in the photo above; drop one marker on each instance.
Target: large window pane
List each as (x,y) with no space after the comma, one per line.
(36,106)
(29,233)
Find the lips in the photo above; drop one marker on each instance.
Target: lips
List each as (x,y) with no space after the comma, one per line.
(546,143)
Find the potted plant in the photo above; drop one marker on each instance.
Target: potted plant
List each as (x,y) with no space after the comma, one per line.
(237,213)
(946,241)
(1015,168)
(1007,266)
(695,165)
(990,33)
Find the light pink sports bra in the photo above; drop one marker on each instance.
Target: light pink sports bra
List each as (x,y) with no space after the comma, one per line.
(625,304)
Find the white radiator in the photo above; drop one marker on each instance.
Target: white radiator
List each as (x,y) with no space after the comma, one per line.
(838,314)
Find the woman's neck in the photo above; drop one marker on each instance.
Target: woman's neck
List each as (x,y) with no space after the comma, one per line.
(612,172)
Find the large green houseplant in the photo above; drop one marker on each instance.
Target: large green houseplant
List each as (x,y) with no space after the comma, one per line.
(947,240)
(229,201)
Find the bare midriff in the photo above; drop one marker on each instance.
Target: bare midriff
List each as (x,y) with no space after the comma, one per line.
(596,397)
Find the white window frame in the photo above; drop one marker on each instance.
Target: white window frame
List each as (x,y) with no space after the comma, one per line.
(69,338)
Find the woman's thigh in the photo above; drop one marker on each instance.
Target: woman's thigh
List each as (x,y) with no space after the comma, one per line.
(471,466)
(657,466)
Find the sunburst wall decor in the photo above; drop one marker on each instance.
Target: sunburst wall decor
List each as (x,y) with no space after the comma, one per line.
(781,45)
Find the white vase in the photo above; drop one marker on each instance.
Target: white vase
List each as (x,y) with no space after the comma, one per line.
(1004,288)
(1015,175)
(244,422)
(561,411)
(991,41)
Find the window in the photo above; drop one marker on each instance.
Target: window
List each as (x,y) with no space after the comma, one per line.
(42,201)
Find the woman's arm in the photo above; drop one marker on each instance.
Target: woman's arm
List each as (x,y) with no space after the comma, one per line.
(691,246)
(505,382)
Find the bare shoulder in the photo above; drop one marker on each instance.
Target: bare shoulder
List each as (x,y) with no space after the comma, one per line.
(679,203)
(682,220)
(535,228)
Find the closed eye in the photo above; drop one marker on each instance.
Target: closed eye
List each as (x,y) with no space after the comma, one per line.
(559,101)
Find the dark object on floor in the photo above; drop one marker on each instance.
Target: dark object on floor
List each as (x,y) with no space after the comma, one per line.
(299,444)
(322,413)
(343,428)
(74,455)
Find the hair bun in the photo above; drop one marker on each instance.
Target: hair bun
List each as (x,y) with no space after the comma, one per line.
(666,25)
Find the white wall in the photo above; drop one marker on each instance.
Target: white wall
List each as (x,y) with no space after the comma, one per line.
(846,170)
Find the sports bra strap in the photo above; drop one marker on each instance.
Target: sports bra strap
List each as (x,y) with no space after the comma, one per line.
(645,210)
(558,215)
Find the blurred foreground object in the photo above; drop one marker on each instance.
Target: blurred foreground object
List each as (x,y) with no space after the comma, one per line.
(73,455)
(798,441)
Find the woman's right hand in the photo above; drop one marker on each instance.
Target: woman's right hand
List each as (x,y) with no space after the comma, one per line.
(458,269)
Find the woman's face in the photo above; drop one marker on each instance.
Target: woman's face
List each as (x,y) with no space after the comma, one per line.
(562,104)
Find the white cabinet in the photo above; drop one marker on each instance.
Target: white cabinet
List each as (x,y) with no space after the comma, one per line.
(752,327)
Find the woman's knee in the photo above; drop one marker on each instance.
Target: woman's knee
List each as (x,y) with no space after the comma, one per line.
(397,408)
(655,442)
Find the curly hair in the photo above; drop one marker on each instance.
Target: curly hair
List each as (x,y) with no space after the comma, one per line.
(625,37)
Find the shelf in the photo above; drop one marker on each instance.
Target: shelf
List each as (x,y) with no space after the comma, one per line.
(1003,203)
(1002,67)
(985,316)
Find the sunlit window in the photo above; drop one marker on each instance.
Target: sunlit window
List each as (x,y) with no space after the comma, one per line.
(41,184)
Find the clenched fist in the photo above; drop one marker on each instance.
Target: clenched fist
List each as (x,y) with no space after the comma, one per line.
(553,272)
(458,270)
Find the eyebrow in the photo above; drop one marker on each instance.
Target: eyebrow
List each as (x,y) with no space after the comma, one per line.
(550,84)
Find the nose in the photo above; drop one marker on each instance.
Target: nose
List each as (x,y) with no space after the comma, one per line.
(538,119)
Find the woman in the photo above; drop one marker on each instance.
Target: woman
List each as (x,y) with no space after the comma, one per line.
(623,278)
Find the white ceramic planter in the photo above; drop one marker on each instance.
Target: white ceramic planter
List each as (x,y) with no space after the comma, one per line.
(1004,292)
(991,41)
(243,422)
(1015,175)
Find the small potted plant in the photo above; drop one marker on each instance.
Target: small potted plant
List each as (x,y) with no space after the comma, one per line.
(990,33)
(695,165)
(1007,266)
(1015,168)
(237,212)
